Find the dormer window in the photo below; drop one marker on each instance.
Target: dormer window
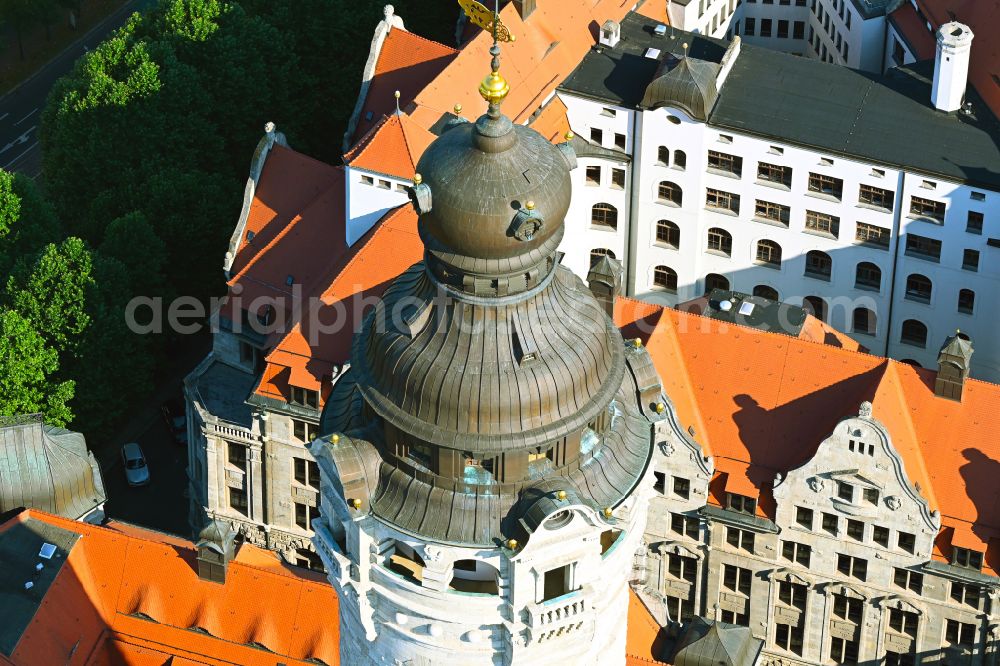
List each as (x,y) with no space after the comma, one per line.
(845,491)
(968,559)
(871,495)
(742,504)
(304,397)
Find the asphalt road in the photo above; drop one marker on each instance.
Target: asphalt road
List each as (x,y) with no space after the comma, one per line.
(20,109)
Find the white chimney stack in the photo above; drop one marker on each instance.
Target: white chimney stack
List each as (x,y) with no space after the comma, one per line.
(951,66)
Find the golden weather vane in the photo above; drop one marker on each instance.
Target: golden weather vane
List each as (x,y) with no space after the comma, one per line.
(487,20)
(494,87)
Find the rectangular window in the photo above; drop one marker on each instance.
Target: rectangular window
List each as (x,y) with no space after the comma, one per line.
(828,185)
(384,184)
(725,162)
(876,196)
(619,141)
(304,431)
(596,136)
(742,503)
(773,173)
(765,27)
(682,568)
(751,27)
(305,515)
(906,541)
(789,637)
(923,247)
(593,176)
(661,482)
(792,594)
(238,501)
(610,113)
(304,397)
(843,651)
(736,579)
(960,633)
(367,180)
(765,210)
(855,567)
(974,225)
(831,524)
(970,260)
(823,223)
(903,622)
(968,559)
(880,535)
(684,525)
(722,200)
(847,608)
(740,539)
(306,472)
(908,580)
(927,208)
(799,30)
(869,233)
(783,29)
(682,487)
(845,491)
(856,529)
(618,179)
(871,496)
(967,594)
(237,455)
(804,517)
(799,553)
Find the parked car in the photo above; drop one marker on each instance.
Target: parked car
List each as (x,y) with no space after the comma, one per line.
(176,420)
(136,470)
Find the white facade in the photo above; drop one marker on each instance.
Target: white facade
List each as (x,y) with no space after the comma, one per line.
(561,596)
(370,195)
(671,148)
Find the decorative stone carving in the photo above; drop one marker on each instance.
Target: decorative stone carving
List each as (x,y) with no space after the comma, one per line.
(816,484)
(893,502)
(865,410)
(666,448)
(432,553)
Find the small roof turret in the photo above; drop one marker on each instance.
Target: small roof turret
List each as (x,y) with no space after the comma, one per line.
(687,84)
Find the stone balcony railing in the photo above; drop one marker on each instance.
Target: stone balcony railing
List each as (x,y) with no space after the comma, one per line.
(557,617)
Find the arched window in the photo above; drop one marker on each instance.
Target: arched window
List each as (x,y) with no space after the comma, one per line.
(680,159)
(763,291)
(668,233)
(914,333)
(668,191)
(819,264)
(918,288)
(604,215)
(663,156)
(715,281)
(405,561)
(598,252)
(966,301)
(665,278)
(815,306)
(769,252)
(868,276)
(475,576)
(865,321)
(720,240)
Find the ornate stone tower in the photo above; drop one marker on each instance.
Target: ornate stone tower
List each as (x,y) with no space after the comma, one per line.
(485,461)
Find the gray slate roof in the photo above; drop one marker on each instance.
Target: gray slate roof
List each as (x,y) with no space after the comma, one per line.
(47,468)
(887,120)
(717,644)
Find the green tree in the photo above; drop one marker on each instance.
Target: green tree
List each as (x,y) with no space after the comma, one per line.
(27,220)
(131,240)
(20,14)
(27,367)
(51,292)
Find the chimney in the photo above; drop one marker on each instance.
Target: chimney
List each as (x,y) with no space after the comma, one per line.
(525,8)
(605,282)
(954,360)
(216,548)
(611,32)
(951,66)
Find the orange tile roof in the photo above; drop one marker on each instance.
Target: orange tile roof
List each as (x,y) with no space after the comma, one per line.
(552,122)
(388,249)
(644,638)
(392,147)
(981,16)
(762,402)
(406,62)
(130,596)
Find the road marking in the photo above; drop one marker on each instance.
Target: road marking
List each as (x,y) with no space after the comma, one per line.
(19,140)
(33,112)
(4,116)
(26,151)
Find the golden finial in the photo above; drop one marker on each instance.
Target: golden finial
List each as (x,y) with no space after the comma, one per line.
(530,205)
(396,95)
(494,88)
(685,47)
(356,503)
(660,408)
(608,512)
(417,179)
(561,495)
(637,343)
(570,135)
(458,109)
(334,438)
(512,544)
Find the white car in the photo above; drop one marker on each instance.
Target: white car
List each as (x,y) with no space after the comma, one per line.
(136,471)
